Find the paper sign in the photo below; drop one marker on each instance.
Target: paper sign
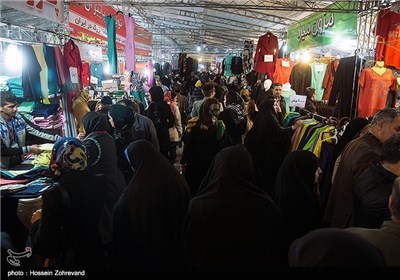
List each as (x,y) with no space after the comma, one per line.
(319,68)
(285,63)
(268,58)
(93,80)
(109,85)
(297,101)
(73,71)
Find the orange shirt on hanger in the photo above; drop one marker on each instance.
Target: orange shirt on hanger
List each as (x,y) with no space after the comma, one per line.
(283,68)
(374,89)
(388,38)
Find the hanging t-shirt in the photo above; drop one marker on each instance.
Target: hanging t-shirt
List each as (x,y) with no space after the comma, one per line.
(111,44)
(130,58)
(374,89)
(317,76)
(283,68)
(388,38)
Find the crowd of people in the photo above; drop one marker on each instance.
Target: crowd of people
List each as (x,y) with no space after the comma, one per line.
(241,201)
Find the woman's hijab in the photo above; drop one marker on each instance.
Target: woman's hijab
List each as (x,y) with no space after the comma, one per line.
(231,223)
(122,116)
(68,154)
(94,121)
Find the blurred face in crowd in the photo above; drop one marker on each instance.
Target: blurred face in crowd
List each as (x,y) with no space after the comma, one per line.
(277,91)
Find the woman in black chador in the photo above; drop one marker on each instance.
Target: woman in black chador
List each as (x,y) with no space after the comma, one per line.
(268,142)
(149,214)
(66,229)
(231,224)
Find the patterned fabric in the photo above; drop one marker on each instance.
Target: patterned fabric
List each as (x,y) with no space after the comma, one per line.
(68,154)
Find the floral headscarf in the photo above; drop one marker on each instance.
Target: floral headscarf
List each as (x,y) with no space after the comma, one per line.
(68,154)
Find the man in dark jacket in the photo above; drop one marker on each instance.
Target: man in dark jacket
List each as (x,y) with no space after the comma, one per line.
(355,158)
(373,188)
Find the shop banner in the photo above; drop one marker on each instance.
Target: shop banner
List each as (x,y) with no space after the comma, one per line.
(322,29)
(89,19)
(48,9)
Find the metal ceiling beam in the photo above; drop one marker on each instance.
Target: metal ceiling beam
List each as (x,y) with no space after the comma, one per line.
(256,15)
(302,6)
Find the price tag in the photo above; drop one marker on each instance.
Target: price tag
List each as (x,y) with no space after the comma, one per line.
(73,72)
(93,80)
(285,63)
(268,58)
(319,68)
(297,101)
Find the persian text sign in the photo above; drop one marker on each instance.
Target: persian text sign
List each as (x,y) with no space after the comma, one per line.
(321,29)
(48,9)
(297,101)
(89,19)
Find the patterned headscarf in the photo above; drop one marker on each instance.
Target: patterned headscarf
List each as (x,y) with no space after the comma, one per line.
(68,154)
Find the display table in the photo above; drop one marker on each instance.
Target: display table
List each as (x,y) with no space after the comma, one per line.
(21,190)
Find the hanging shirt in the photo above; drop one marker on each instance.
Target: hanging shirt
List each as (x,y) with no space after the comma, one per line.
(374,89)
(130,58)
(283,68)
(317,76)
(388,38)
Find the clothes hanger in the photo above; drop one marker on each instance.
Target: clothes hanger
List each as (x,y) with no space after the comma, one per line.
(333,137)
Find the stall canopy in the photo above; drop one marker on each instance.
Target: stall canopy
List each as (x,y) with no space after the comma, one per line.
(216,26)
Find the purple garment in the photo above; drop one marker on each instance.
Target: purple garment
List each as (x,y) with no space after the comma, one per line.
(151,73)
(130,58)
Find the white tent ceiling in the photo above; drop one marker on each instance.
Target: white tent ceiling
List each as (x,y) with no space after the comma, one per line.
(218,26)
